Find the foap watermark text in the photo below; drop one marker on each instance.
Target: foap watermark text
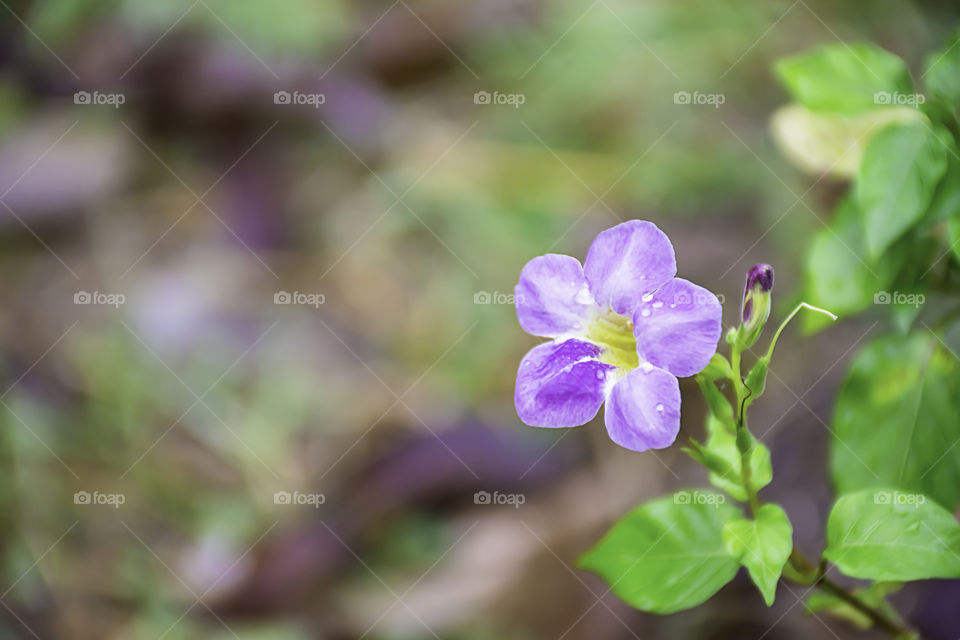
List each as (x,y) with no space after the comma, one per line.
(498,498)
(898,297)
(512,99)
(298,297)
(99,298)
(97,498)
(496,297)
(299,498)
(299,98)
(99,98)
(899,98)
(899,498)
(699,497)
(699,98)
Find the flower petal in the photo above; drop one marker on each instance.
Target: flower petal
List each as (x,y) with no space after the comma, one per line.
(560,384)
(552,297)
(677,327)
(627,261)
(643,410)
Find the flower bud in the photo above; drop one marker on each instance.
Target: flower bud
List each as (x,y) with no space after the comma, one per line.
(756,304)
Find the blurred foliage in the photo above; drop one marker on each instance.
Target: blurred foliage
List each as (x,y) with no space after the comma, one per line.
(199,398)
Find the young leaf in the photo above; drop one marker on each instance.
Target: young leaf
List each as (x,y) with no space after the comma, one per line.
(895,422)
(888,535)
(717,369)
(825,142)
(723,444)
(901,168)
(667,555)
(844,77)
(762,545)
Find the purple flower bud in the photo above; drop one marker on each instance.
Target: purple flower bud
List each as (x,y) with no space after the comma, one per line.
(759,280)
(756,303)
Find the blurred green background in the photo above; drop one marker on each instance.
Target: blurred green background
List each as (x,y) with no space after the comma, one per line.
(309,470)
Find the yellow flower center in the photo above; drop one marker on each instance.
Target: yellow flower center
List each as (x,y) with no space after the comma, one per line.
(614,333)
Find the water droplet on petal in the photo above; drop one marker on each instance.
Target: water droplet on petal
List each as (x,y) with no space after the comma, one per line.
(645,313)
(584,296)
(657,304)
(659,408)
(647,297)
(646,367)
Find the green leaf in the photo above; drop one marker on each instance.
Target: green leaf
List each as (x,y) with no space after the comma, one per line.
(872,596)
(667,555)
(946,203)
(888,535)
(901,168)
(942,75)
(838,274)
(756,380)
(895,422)
(722,444)
(717,402)
(762,545)
(953,233)
(717,369)
(843,77)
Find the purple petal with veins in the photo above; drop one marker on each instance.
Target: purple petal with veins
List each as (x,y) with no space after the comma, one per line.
(677,327)
(628,261)
(552,297)
(643,411)
(560,384)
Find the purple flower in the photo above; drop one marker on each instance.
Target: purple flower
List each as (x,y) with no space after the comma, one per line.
(623,329)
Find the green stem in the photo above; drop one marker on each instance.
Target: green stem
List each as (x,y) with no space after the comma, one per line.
(800,569)
(786,321)
(878,617)
(745,446)
(738,387)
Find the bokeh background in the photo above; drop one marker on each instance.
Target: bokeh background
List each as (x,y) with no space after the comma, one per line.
(155,224)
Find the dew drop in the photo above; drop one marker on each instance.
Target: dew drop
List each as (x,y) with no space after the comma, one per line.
(583,296)
(657,304)
(647,297)
(659,408)
(646,367)
(645,313)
